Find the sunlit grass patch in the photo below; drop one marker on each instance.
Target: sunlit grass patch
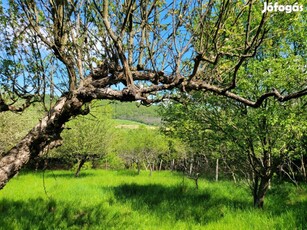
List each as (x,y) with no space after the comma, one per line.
(101,199)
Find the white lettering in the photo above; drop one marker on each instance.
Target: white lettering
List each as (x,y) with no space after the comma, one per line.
(270,7)
(276,6)
(281,8)
(295,7)
(288,9)
(301,8)
(264,8)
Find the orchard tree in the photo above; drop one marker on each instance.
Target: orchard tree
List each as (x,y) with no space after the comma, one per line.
(256,143)
(143,145)
(81,49)
(264,137)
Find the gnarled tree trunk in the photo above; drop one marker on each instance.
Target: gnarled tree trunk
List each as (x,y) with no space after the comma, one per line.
(45,135)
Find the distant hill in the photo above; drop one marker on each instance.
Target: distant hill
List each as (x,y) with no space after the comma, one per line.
(128,124)
(130,111)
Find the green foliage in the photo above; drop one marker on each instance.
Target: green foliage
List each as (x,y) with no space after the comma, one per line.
(145,144)
(122,200)
(85,166)
(14,126)
(220,128)
(88,136)
(281,60)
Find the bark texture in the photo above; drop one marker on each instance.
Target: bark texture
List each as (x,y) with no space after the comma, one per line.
(46,134)
(260,189)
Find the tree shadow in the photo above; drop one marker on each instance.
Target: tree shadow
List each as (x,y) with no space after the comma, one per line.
(178,202)
(299,210)
(54,214)
(173,203)
(131,173)
(285,199)
(68,174)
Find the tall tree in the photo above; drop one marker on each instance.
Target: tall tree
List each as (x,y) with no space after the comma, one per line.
(149,46)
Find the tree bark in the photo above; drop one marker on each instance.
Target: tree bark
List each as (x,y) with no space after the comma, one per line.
(217,170)
(160,166)
(303,168)
(172,164)
(196,180)
(151,168)
(139,166)
(81,163)
(191,168)
(234,177)
(261,185)
(42,137)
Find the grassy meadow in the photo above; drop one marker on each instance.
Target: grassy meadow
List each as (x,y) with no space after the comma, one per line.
(123,200)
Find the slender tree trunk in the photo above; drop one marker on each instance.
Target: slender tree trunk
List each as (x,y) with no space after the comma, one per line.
(303,168)
(139,167)
(172,164)
(217,170)
(81,163)
(191,168)
(150,168)
(196,180)
(45,164)
(146,166)
(36,165)
(161,161)
(261,185)
(269,166)
(234,177)
(231,171)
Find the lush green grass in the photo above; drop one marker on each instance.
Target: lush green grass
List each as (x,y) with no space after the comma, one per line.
(124,200)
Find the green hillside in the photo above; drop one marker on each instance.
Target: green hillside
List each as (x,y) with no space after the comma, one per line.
(132,112)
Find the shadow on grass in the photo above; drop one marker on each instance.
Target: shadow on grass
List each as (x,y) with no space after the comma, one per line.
(202,207)
(132,173)
(178,203)
(52,214)
(68,174)
(288,198)
(165,202)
